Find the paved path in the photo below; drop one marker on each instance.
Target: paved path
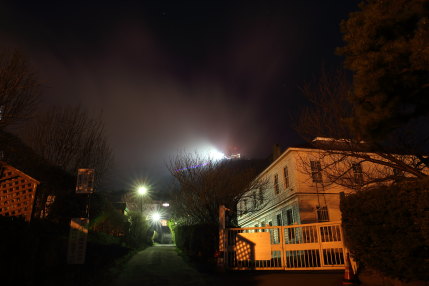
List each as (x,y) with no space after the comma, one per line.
(159,266)
(162,266)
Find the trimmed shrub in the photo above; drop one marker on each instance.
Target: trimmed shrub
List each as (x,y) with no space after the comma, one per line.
(198,241)
(387,229)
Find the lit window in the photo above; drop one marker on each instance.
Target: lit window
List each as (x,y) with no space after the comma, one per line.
(316,171)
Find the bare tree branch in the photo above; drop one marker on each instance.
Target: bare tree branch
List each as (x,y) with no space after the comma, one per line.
(71,139)
(19,89)
(398,157)
(203,185)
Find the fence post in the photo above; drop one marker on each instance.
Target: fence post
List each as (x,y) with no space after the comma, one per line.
(282,242)
(223,251)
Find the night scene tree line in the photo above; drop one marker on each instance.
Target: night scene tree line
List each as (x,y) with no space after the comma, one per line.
(379,114)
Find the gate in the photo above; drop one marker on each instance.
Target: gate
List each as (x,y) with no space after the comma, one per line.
(316,246)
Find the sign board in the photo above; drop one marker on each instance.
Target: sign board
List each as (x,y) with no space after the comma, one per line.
(77,240)
(253,246)
(85,181)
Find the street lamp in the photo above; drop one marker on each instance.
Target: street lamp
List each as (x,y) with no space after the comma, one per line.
(155,217)
(141,191)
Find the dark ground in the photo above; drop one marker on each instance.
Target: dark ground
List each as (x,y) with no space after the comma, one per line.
(161,265)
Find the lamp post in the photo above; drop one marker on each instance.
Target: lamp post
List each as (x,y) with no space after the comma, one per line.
(141,191)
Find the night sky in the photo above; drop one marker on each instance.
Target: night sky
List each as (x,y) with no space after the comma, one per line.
(175,75)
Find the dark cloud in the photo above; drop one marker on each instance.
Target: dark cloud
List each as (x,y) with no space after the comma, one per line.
(170,75)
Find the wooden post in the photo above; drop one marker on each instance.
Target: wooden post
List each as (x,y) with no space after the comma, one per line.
(221,259)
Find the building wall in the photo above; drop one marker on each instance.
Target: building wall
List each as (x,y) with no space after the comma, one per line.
(301,197)
(313,198)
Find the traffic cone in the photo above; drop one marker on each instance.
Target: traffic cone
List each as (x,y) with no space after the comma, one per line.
(349,276)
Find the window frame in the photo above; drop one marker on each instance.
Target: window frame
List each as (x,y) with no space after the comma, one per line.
(276,184)
(322,213)
(286,177)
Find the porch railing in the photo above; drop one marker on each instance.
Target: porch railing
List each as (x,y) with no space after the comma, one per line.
(317,246)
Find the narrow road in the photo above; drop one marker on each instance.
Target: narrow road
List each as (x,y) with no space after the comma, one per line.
(162,266)
(158,266)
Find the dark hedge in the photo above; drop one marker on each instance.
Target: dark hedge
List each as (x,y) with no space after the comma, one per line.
(35,254)
(199,242)
(387,229)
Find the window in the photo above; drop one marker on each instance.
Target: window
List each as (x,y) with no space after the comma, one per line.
(357,173)
(286,177)
(255,202)
(322,213)
(316,171)
(263,224)
(261,196)
(289,221)
(289,217)
(279,220)
(276,184)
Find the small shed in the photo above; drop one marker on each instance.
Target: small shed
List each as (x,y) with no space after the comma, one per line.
(17,192)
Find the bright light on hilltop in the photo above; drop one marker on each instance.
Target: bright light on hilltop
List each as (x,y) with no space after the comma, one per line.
(216,155)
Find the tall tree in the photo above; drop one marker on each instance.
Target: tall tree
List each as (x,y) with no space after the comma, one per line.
(71,139)
(19,89)
(387,49)
(384,117)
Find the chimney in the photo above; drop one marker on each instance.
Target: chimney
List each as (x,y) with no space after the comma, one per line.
(277,151)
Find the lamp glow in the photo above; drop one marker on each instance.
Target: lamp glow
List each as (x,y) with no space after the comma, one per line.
(156,217)
(216,155)
(142,190)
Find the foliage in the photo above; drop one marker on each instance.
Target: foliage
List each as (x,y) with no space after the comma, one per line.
(19,89)
(104,217)
(383,117)
(387,48)
(139,234)
(199,241)
(203,185)
(386,229)
(172,226)
(71,139)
